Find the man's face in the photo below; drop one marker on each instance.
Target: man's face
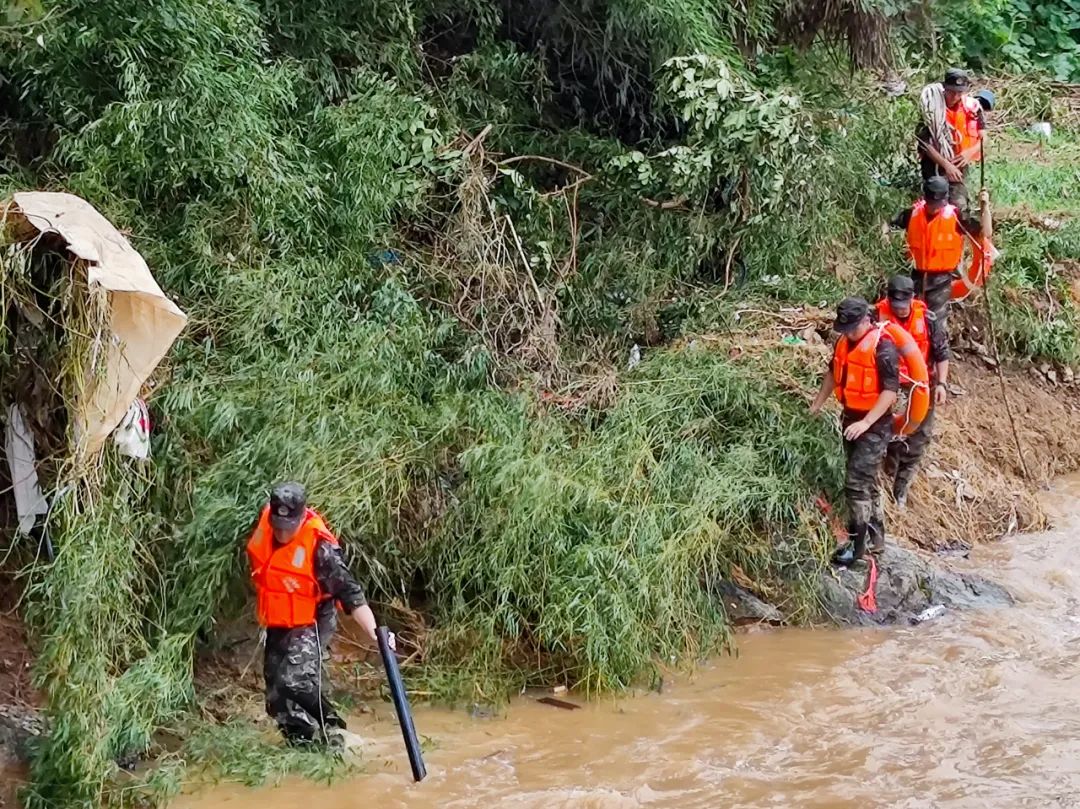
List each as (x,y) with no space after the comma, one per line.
(952,98)
(283,536)
(934,206)
(901,307)
(858,331)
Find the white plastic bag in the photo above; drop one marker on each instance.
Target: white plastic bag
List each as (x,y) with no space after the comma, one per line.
(133,435)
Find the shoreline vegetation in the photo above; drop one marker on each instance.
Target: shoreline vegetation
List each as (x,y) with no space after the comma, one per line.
(533,302)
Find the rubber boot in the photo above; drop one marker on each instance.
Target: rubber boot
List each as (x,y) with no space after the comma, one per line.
(899,493)
(876,530)
(854,550)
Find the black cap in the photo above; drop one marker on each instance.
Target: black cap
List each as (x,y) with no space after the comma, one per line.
(935,189)
(901,288)
(288,503)
(956,79)
(850,313)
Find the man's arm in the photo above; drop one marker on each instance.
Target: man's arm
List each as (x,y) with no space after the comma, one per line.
(983,227)
(974,153)
(828,385)
(939,357)
(926,146)
(337,582)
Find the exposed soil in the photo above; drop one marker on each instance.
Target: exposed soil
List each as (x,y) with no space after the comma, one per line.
(18,701)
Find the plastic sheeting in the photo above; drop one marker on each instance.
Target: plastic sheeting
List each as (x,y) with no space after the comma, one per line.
(19,446)
(142,320)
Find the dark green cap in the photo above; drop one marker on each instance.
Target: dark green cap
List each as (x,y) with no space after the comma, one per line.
(850,313)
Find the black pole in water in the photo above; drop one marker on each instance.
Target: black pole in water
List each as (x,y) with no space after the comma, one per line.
(401,704)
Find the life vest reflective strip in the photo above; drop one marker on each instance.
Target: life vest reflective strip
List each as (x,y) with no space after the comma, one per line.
(286,587)
(934,244)
(974,276)
(915,325)
(859,391)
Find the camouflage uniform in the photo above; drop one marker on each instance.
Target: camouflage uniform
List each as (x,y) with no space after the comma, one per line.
(293,670)
(904,454)
(866,454)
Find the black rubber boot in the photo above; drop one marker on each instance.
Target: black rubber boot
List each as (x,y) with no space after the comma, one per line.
(844,555)
(854,550)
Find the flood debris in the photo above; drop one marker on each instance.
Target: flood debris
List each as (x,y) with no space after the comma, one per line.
(929,614)
(137,321)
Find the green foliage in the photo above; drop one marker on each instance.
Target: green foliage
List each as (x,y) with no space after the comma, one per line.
(628,527)
(1020,35)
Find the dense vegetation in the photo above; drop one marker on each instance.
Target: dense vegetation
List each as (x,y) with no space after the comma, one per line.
(417,242)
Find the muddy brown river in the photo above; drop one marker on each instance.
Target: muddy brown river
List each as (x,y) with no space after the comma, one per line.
(971,710)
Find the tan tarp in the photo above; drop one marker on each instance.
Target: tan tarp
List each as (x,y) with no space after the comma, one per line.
(143,321)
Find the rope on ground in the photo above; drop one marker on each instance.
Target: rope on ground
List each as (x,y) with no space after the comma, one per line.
(867,601)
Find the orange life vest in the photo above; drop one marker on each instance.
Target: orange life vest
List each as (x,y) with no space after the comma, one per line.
(286,588)
(858,385)
(915,325)
(934,244)
(963,125)
(855,372)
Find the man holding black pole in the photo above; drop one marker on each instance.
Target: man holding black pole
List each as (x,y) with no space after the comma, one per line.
(300,576)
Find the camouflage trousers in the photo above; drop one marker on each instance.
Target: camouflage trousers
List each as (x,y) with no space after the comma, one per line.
(935,288)
(296,683)
(903,457)
(865,456)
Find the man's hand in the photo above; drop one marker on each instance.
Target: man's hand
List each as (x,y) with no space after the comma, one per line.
(815,407)
(941,395)
(953,174)
(984,198)
(857,429)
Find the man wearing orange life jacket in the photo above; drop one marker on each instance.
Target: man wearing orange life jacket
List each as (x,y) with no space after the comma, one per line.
(965,130)
(899,306)
(299,576)
(864,374)
(936,232)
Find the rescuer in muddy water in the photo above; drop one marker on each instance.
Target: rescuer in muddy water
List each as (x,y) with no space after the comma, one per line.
(299,576)
(902,458)
(865,376)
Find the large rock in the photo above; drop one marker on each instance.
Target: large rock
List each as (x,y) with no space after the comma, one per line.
(743,608)
(19,726)
(908,583)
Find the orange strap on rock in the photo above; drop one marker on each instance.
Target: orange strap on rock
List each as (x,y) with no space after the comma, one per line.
(868,600)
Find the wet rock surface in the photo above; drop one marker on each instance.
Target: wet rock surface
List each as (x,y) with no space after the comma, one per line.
(908,583)
(744,608)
